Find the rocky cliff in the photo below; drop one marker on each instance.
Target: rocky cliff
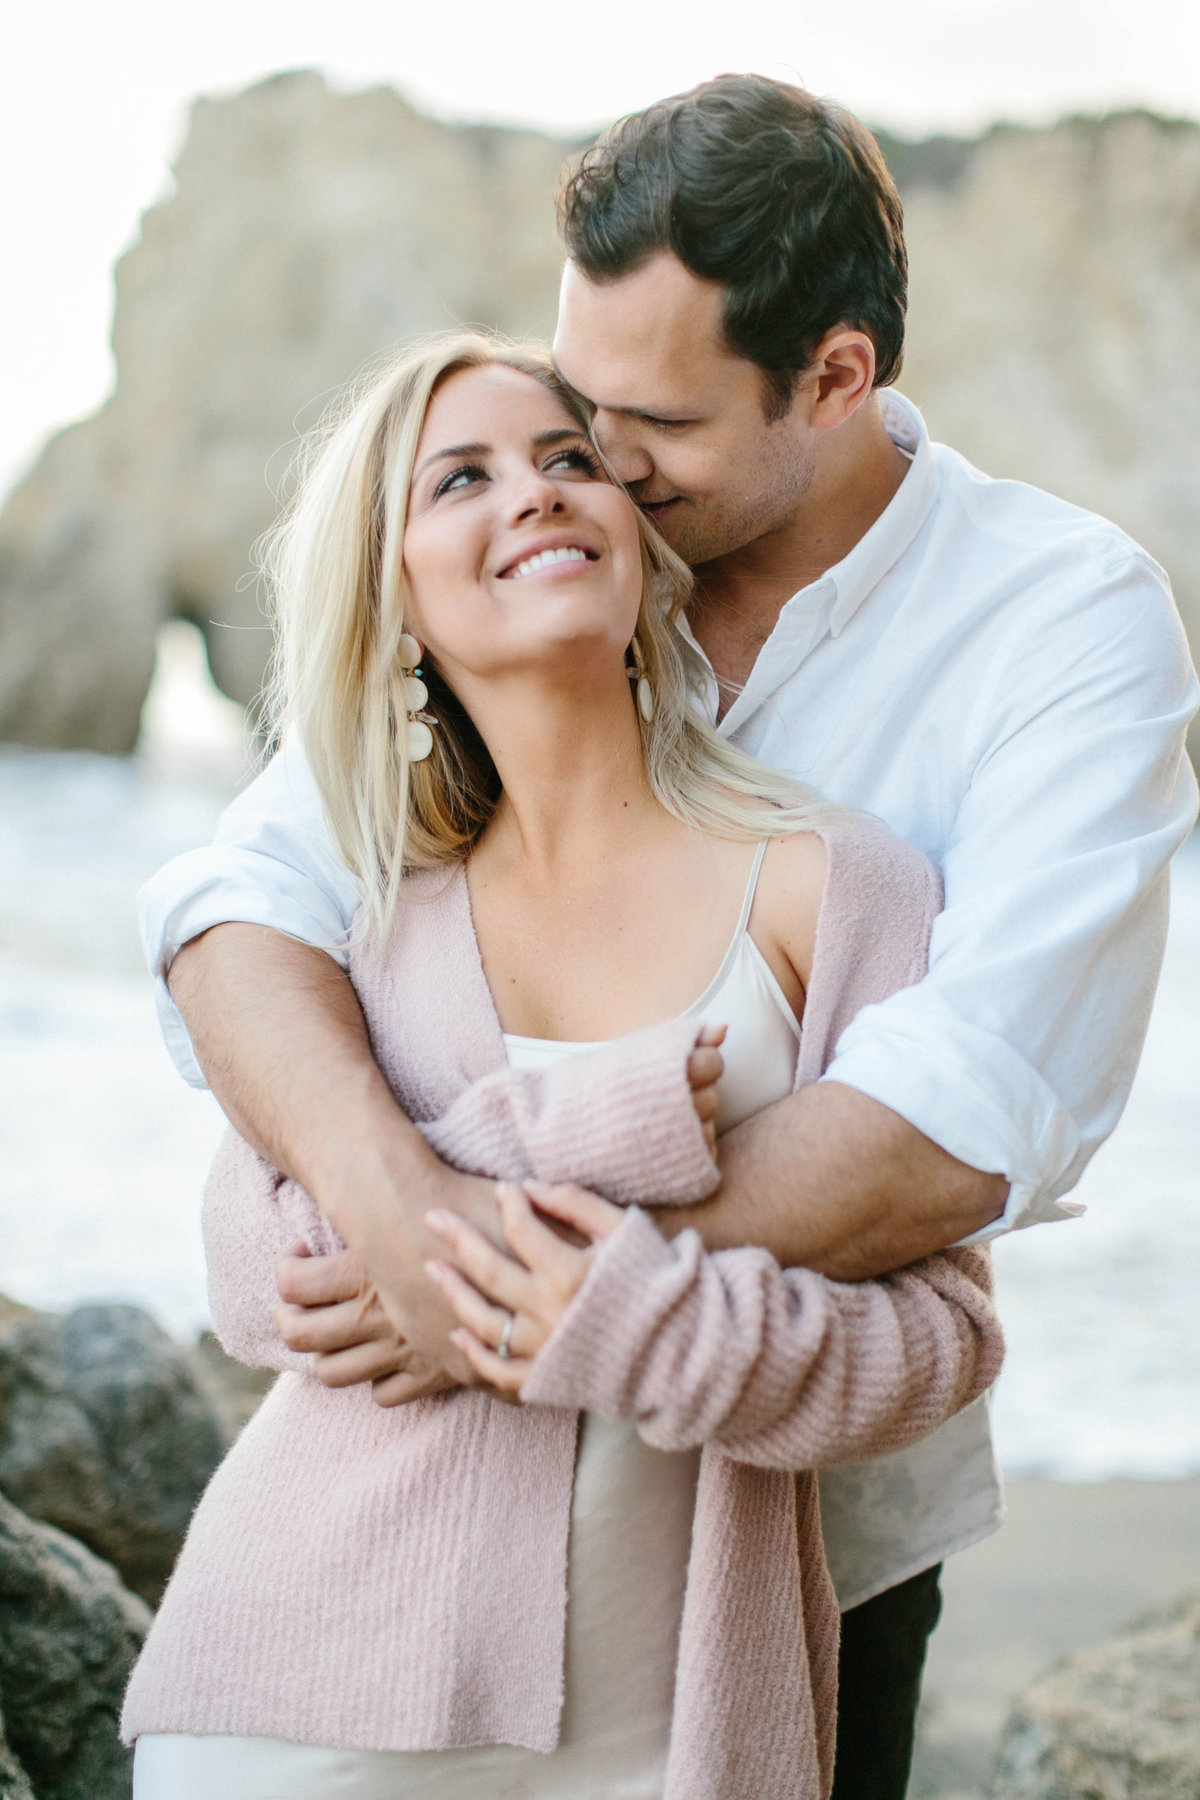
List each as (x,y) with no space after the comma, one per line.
(308,232)
(1055,319)
(1054,330)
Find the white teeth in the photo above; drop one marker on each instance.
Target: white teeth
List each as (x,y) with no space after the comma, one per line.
(545,557)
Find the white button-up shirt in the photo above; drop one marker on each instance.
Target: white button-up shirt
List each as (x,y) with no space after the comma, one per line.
(1004,680)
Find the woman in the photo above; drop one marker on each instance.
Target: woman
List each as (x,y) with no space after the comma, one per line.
(477,645)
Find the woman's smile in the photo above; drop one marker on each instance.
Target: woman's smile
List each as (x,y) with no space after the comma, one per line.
(553,557)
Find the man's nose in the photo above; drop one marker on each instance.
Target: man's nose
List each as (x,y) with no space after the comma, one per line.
(618,439)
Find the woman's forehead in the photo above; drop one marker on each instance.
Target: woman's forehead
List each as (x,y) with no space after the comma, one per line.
(481,404)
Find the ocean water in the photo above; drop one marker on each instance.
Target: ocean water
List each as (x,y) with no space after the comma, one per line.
(103,1150)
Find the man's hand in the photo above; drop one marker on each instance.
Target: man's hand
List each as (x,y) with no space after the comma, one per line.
(372,1312)
(330,1308)
(705,1067)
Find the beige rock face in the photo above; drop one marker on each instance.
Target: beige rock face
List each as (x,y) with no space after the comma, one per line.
(1119,1721)
(309,233)
(1055,322)
(1055,326)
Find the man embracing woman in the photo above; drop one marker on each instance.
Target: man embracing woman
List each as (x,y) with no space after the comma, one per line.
(564,1137)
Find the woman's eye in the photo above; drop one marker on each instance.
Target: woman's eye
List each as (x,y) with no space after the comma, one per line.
(575,458)
(459,478)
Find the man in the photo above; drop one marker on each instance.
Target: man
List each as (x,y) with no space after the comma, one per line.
(999,676)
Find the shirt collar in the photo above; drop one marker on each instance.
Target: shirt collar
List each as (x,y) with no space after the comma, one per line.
(880,548)
(829,603)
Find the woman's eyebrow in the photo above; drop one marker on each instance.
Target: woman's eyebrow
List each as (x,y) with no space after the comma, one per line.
(540,441)
(453,450)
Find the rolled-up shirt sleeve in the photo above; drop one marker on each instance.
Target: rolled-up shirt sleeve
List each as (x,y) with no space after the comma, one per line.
(1017,1052)
(270,863)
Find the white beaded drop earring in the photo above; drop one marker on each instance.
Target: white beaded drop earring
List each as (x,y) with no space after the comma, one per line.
(645,693)
(420,737)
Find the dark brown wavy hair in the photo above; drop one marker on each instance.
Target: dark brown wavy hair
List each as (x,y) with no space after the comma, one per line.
(782,198)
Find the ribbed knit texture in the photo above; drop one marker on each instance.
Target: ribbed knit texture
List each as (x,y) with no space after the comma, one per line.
(397,1579)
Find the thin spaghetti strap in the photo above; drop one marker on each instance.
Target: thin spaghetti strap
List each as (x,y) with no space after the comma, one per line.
(751,888)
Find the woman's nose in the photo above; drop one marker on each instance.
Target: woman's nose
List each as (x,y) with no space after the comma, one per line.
(537,497)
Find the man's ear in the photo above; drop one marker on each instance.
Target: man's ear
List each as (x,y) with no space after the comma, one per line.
(842,372)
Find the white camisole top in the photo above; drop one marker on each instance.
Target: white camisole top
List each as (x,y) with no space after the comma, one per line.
(763,1039)
(631,1522)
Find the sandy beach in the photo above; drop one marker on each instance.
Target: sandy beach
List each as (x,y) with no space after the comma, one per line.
(1073,1563)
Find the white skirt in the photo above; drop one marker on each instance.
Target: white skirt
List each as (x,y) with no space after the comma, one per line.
(631,1523)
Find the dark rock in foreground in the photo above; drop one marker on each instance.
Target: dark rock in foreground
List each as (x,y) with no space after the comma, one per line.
(14,1783)
(1117,1721)
(69,1633)
(107,1433)
(235,1390)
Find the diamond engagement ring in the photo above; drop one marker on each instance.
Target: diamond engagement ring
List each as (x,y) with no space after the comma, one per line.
(504,1347)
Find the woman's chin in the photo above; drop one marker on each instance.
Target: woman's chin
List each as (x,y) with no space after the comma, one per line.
(589,667)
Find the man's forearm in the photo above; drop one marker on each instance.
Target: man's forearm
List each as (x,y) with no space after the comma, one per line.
(281,1038)
(832,1180)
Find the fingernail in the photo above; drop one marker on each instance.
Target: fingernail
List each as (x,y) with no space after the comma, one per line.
(439,1221)
(434,1270)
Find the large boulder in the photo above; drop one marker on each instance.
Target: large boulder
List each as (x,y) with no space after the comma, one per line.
(106,1431)
(14,1783)
(1117,1721)
(69,1633)
(235,1390)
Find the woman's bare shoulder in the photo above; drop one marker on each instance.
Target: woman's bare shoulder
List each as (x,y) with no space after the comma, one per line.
(790,891)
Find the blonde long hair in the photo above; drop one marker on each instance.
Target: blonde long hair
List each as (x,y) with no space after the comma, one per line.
(335,570)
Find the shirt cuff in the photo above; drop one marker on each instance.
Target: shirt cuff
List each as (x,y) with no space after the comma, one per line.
(971,1093)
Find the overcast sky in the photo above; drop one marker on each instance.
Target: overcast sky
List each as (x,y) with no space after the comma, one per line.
(93,104)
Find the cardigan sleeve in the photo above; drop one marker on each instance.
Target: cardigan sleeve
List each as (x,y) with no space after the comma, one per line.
(782,1368)
(251,1215)
(619,1119)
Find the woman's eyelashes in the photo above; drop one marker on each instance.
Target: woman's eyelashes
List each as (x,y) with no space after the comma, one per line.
(465,475)
(576,458)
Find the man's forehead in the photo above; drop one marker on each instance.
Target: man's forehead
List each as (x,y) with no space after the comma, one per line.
(646,342)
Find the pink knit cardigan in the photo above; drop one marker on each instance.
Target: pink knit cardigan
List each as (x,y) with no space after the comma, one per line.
(377,1579)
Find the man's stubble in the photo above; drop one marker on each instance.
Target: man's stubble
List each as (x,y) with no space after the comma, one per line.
(710,528)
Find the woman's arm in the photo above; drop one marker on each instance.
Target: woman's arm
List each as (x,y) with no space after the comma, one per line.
(783,1368)
(619,1119)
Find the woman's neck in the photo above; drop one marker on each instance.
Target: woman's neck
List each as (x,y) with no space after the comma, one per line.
(570,762)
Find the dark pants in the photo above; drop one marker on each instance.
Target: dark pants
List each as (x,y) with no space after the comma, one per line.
(879,1685)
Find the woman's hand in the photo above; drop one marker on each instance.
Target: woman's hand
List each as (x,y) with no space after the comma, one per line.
(705,1068)
(514,1301)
